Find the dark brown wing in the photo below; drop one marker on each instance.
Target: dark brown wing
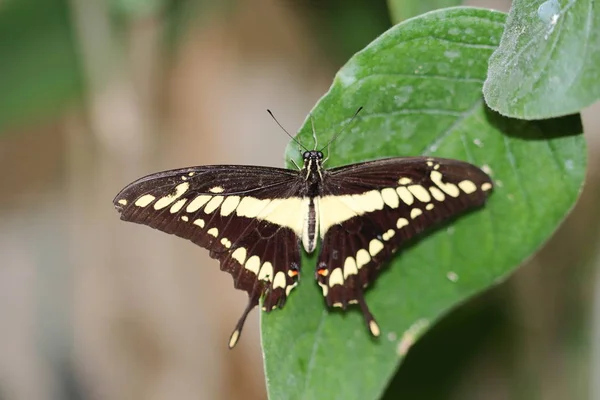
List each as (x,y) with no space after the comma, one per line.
(236,213)
(368,210)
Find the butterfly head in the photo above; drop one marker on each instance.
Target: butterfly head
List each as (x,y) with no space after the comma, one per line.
(314,155)
(313,160)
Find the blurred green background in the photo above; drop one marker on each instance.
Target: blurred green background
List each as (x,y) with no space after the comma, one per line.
(96,94)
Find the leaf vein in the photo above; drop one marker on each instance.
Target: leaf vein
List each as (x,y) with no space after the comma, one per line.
(311,360)
(408,111)
(424,76)
(492,230)
(466,45)
(436,143)
(513,164)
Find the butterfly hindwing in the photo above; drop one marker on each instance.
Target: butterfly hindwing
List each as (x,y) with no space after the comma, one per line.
(237,213)
(368,210)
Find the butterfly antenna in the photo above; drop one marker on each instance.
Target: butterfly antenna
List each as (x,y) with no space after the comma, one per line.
(342,129)
(291,137)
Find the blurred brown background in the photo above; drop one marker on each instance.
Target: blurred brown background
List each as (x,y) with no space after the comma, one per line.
(96,94)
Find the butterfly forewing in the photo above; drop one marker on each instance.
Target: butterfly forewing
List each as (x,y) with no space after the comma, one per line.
(238,213)
(369,210)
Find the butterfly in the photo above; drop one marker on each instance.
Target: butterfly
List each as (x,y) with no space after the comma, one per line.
(256,219)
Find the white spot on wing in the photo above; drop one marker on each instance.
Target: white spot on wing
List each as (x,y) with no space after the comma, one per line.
(420,193)
(415,212)
(213,204)
(253,264)
(289,288)
(144,200)
(199,222)
(388,235)
(467,186)
(336,277)
(405,195)
(229,205)
(197,203)
(401,223)
(375,246)
(177,206)
(390,197)
(266,272)
(123,202)
(449,188)
(216,189)
(350,267)
(324,287)
(437,193)
(362,258)
(239,255)
(279,280)
(168,199)
(213,232)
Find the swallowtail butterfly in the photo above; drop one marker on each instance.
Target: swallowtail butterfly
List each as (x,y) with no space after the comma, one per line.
(255,220)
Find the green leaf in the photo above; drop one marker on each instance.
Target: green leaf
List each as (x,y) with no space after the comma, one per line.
(38,66)
(447,352)
(405,9)
(547,61)
(420,86)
